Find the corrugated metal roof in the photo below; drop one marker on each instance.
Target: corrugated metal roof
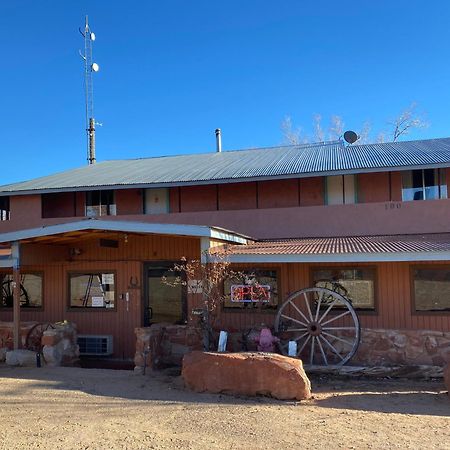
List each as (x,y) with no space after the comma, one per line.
(347,245)
(240,165)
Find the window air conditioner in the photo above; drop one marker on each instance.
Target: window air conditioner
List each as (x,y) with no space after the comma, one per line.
(100,345)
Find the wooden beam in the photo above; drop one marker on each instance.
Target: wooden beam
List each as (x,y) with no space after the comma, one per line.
(15,247)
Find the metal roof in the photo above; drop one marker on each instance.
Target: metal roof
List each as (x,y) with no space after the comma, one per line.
(340,249)
(244,165)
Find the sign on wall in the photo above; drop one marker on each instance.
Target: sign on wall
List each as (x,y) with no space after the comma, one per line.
(245,293)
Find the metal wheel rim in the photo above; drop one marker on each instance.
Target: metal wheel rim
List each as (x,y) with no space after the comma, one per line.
(310,331)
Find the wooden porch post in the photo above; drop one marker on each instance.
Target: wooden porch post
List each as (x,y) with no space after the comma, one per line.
(16,293)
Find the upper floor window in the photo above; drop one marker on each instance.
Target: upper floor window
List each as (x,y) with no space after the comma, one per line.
(100,203)
(340,190)
(425,184)
(4,208)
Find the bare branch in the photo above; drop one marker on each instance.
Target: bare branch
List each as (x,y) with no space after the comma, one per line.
(408,119)
(291,135)
(336,127)
(319,135)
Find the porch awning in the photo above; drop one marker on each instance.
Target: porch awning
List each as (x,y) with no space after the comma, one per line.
(424,247)
(71,231)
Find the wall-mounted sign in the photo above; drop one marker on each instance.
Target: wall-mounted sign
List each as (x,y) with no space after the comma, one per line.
(98,302)
(246,293)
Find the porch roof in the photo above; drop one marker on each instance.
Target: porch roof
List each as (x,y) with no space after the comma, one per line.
(71,231)
(424,247)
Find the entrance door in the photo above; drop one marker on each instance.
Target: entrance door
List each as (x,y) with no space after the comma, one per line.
(162,302)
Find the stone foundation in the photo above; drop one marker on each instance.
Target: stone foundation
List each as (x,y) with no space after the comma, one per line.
(60,346)
(164,345)
(402,347)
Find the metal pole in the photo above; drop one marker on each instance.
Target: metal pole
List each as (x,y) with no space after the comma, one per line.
(16,294)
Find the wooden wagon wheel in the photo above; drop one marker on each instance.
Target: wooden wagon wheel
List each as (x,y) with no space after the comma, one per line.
(34,336)
(322,322)
(8,294)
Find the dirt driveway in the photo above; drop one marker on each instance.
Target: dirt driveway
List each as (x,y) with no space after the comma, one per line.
(67,408)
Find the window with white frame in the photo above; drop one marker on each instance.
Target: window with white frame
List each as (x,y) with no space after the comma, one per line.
(424,184)
(340,190)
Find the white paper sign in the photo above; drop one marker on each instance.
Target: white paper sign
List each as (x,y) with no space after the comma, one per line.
(107,278)
(98,302)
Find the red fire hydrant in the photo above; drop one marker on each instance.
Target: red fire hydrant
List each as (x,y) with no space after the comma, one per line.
(266,341)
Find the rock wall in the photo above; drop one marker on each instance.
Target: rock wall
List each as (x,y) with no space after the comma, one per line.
(397,347)
(60,346)
(164,345)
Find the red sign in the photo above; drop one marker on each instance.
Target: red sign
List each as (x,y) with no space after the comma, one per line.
(245,293)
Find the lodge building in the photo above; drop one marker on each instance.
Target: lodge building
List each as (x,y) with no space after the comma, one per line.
(92,243)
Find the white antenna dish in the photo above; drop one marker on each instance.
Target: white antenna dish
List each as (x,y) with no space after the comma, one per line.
(92,36)
(95,67)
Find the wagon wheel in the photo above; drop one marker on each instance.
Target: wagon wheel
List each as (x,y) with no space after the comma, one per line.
(8,294)
(322,322)
(34,336)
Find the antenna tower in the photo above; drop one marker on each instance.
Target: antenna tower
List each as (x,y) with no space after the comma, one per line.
(89,68)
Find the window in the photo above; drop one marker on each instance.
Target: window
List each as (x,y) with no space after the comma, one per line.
(427,184)
(30,290)
(252,289)
(4,208)
(356,284)
(340,190)
(92,290)
(431,289)
(100,203)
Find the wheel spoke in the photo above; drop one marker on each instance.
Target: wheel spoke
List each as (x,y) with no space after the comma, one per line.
(333,349)
(307,305)
(300,337)
(294,320)
(295,329)
(327,311)
(338,338)
(311,356)
(336,318)
(298,310)
(318,305)
(325,360)
(303,345)
(338,328)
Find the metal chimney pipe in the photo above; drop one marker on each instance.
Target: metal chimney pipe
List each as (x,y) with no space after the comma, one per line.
(218,140)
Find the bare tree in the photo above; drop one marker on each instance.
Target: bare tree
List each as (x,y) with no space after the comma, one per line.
(408,119)
(319,135)
(336,128)
(364,133)
(291,135)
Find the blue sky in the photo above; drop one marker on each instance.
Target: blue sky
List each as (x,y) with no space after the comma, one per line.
(173,71)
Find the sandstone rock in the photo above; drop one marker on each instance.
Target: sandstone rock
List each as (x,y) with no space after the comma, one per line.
(246,374)
(21,358)
(447,377)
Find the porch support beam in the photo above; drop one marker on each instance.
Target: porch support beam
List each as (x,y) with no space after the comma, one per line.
(15,247)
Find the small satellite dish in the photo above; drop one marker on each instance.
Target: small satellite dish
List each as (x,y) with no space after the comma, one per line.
(92,36)
(95,68)
(350,137)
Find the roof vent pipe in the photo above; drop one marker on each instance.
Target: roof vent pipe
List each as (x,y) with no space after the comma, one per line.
(218,140)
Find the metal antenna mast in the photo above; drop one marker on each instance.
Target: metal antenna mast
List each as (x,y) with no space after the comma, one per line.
(89,67)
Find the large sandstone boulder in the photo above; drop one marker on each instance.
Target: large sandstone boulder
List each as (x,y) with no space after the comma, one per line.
(246,374)
(447,377)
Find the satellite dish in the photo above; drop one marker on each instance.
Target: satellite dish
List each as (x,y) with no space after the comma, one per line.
(350,137)
(92,36)
(95,68)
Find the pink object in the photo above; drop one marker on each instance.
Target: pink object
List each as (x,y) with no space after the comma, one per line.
(265,341)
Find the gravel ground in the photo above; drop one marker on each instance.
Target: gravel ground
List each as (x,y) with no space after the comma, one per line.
(71,408)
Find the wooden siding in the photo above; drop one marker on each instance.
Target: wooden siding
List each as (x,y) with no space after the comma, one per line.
(278,194)
(394,308)
(129,201)
(198,198)
(373,187)
(237,196)
(126,261)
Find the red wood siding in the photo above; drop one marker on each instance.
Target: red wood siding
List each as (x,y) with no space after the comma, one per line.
(237,196)
(61,204)
(198,198)
(129,201)
(396,186)
(278,194)
(312,191)
(373,187)
(80,203)
(174,199)
(25,208)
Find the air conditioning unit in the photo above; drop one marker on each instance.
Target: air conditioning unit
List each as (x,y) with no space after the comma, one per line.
(95,345)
